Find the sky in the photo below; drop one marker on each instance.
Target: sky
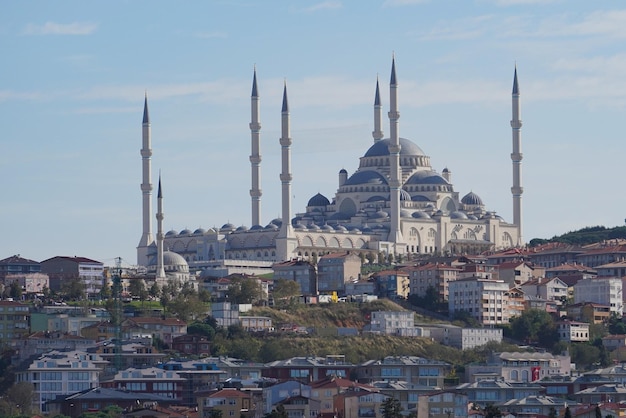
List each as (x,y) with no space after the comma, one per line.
(74,75)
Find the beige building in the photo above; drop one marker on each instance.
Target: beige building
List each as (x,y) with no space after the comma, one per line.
(573,331)
(334,270)
(483,299)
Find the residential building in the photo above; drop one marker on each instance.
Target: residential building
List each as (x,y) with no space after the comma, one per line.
(601,290)
(497,391)
(443,404)
(31,284)
(165,329)
(256,323)
(148,380)
(517,302)
(573,270)
(19,265)
(516,273)
(96,399)
(483,299)
(198,345)
(360,404)
(326,389)
(573,331)
(400,323)
(334,270)
(436,275)
(537,405)
(392,284)
(89,272)
(301,406)
(613,342)
(603,253)
(274,394)
(547,289)
(61,373)
(230,402)
(408,394)
(135,353)
(308,369)
(615,269)
(590,312)
(554,254)
(613,392)
(42,342)
(415,370)
(302,272)
(463,338)
(14,321)
(519,367)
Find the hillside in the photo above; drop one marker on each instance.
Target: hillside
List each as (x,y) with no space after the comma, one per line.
(584,236)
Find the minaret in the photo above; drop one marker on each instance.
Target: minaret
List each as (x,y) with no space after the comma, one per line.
(377,133)
(516,157)
(285,242)
(160,270)
(255,157)
(395,235)
(146,189)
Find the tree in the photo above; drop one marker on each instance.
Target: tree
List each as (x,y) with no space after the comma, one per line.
(568,413)
(492,411)
(371,257)
(137,288)
(391,408)
(15,290)
(243,290)
(154,291)
(598,412)
(201,328)
(534,325)
(278,412)
(105,291)
(187,307)
(215,413)
(20,397)
(285,289)
(73,289)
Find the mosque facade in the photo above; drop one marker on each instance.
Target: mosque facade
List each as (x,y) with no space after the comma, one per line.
(394,203)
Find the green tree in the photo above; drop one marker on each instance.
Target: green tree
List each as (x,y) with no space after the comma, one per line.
(154,291)
(15,290)
(568,413)
(492,411)
(598,412)
(371,257)
(243,290)
(73,289)
(105,291)
(278,412)
(391,408)
(201,328)
(534,326)
(19,397)
(137,288)
(187,307)
(285,290)
(204,295)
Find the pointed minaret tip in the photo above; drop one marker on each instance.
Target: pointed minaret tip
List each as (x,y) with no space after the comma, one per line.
(146,116)
(393,69)
(159,194)
(285,102)
(515,85)
(254,88)
(377,96)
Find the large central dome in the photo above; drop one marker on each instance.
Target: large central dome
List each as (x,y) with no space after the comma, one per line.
(381,148)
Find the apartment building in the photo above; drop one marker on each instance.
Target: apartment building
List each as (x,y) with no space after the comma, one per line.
(483,299)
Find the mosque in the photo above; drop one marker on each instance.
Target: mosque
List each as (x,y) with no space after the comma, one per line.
(394,203)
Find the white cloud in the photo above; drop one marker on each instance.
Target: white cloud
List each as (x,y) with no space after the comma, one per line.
(53,28)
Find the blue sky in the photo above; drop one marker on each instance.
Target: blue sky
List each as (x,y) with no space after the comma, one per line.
(74,75)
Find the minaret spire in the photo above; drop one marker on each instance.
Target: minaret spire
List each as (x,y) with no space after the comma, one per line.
(160,270)
(516,157)
(146,188)
(395,234)
(255,156)
(378,115)
(285,242)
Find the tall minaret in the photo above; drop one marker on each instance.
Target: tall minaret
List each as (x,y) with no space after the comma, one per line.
(516,157)
(146,189)
(160,270)
(255,157)
(395,234)
(285,242)
(377,133)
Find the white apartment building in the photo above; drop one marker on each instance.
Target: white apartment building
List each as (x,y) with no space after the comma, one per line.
(394,323)
(464,338)
(61,373)
(484,299)
(573,331)
(603,290)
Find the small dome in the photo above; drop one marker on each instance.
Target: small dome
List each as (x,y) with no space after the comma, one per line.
(418,214)
(314,227)
(242,228)
(445,170)
(199,231)
(299,227)
(427,177)
(381,148)
(256,228)
(340,228)
(338,216)
(404,195)
(368,177)
(185,232)
(420,198)
(376,199)
(354,230)
(405,213)
(366,229)
(472,217)
(227,227)
(381,214)
(171,233)
(271,226)
(343,171)
(458,215)
(318,200)
(472,199)
(277,221)
(327,228)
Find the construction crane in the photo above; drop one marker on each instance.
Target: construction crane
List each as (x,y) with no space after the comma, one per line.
(116,291)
